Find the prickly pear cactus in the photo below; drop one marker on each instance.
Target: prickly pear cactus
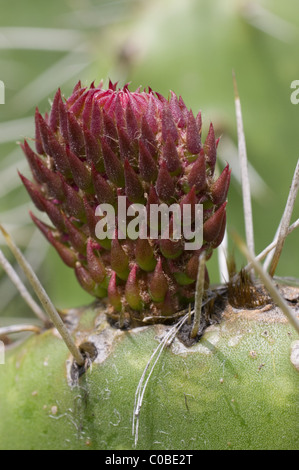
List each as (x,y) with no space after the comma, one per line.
(237,388)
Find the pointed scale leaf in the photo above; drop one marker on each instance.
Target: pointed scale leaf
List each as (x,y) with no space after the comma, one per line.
(144,255)
(213,225)
(80,172)
(158,285)
(193,140)
(197,175)
(171,157)
(95,264)
(132,290)
(114,293)
(113,166)
(165,185)
(220,187)
(134,189)
(147,165)
(119,260)
(210,148)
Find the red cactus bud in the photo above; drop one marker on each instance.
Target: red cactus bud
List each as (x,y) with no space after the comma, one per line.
(193,140)
(220,187)
(132,290)
(212,226)
(101,144)
(158,285)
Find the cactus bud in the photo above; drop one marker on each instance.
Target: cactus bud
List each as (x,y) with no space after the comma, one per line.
(100,144)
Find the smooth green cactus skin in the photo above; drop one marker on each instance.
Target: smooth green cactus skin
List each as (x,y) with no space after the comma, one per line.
(235,389)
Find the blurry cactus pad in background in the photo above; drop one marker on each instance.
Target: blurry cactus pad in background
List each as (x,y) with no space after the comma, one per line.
(100,144)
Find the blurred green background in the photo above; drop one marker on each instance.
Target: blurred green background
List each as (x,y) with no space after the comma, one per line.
(188,46)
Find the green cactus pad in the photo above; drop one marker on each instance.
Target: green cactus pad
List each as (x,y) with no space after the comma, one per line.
(237,388)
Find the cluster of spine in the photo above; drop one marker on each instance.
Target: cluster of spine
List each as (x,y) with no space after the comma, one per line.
(100,144)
